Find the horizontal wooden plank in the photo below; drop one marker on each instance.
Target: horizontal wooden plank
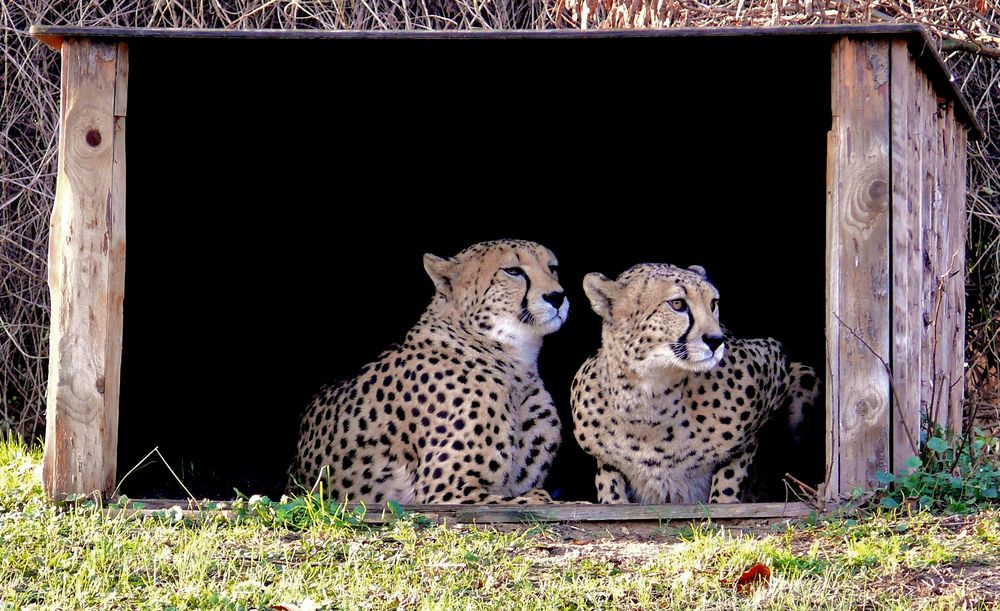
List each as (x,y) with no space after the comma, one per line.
(184,511)
(921,44)
(837,30)
(622,513)
(562,512)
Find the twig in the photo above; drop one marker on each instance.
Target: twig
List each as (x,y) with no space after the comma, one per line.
(892,385)
(956,44)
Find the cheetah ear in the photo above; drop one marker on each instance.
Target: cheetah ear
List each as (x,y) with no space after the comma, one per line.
(699,270)
(441,272)
(601,292)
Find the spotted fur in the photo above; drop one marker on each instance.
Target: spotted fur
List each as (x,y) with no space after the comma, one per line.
(670,406)
(457,412)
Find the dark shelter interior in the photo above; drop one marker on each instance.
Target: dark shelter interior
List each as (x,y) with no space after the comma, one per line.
(281,195)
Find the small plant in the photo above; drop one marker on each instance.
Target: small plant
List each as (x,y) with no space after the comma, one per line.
(954,475)
(399,514)
(302,512)
(298,513)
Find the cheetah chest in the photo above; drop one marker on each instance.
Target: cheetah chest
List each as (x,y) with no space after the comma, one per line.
(671,452)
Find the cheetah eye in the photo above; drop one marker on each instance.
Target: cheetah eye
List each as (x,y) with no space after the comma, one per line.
(679,305)
(513,271)
(554,269)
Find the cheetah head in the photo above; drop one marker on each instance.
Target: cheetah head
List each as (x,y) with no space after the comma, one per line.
(506,290)
(659,318)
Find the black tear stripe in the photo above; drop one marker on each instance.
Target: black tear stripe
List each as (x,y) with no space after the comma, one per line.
(525,314)
(680,347)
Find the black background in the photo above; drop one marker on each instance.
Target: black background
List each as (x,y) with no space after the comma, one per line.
(281,194)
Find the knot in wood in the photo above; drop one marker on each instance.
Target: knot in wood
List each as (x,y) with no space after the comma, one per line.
(866,193)
(868,407)
(878,190)
(94,137)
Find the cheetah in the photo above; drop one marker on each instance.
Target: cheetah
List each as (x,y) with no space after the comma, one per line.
(670,406)
(457,412)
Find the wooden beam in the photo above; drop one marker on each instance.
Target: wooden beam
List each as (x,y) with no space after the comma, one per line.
(858,190)
(954,332)
(921,42)
(929,203)
(907,259)
(86,273)
(617,513)
(556,512)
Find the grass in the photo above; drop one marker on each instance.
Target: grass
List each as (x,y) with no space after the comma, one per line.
(83,557)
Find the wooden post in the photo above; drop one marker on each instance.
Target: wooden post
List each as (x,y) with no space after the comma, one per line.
(907,85)
(87,272)
(955,198)
(858,194)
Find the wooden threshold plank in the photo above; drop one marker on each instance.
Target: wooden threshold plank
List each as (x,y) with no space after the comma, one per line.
(621,513)
(567,512)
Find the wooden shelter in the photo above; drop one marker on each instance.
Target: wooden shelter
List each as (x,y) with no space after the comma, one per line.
(894,239)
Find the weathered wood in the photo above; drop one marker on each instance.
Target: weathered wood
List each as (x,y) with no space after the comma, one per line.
(907,278)
(936,266)
(116,274)
(928,203)
(568,512)
(858,263)
(908,31)
(946,264)
(121,80)
(184,511)
(917,36)
(954,254)
(616,513)
(831,389)
(86,271)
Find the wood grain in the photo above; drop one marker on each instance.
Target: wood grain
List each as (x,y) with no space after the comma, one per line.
(116,275)
(958,211)
(858,264)
(605,513)
(566,512)
(907,279)
(927,109)
(953,267)
(86,269)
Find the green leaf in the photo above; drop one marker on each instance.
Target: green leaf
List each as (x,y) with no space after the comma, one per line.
(938,444)
(913,462)
(395,508)
(884,477)
(990,493)
(888,503)
(957,508)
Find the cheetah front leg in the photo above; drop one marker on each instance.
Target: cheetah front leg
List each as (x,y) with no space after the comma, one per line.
(730,475)
(537,433)
(610,485)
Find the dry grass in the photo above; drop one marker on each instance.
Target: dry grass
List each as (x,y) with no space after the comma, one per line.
(969,33)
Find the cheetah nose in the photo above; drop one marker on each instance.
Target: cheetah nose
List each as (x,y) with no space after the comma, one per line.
(712,341)
(555,298)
